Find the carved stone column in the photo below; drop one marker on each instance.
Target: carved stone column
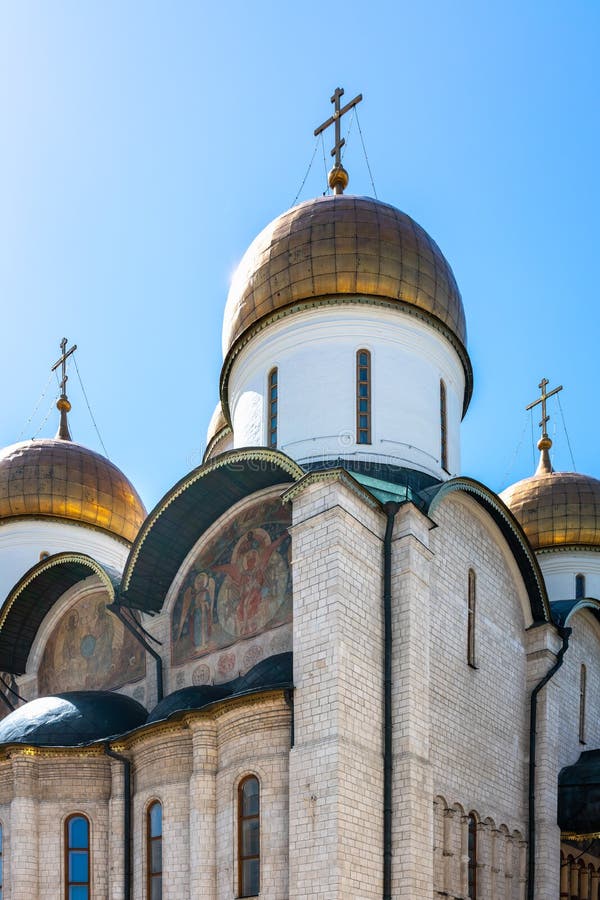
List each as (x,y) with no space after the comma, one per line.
(203,810)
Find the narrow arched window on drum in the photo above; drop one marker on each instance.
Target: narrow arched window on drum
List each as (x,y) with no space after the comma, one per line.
(249,837)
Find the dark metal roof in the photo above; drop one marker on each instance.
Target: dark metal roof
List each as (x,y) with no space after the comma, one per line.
(513,533)
(35,594)
(81,718)
(563,610)
(269,674)
(72,719)
(182,516)
(579,797)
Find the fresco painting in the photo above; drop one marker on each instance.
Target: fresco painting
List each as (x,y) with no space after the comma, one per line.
(90,649)
(238,585)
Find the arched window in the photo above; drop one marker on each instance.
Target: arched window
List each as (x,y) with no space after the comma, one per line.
(154,850)
(471,619)
(363,397)
(579,586)
(77,858)
(472,852)
(272,408)
(443,427)
(249,837)
(582,692)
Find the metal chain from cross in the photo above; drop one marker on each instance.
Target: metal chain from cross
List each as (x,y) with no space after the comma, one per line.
(544,397)
(338,177)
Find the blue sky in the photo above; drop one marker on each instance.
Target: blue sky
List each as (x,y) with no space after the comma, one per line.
(145,144)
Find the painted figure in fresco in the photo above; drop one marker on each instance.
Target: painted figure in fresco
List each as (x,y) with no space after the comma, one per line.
(198,610)
(100,660)
(70,666)
(89,649)
(238,584)
(248,586)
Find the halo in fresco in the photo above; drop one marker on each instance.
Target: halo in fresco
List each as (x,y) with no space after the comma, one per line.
(90,650)
(238,585)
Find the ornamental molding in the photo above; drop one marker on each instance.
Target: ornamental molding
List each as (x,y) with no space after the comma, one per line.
(215,441)
(569,548)
(264,455)
(337,474)
(65,520)
(49,563)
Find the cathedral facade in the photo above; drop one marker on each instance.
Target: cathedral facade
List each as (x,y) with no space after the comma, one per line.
(327,665)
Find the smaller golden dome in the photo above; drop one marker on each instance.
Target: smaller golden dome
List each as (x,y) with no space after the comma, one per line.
(556,509)
(59,479)
(217,423)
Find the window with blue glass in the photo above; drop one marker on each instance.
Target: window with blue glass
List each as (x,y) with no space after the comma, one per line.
(154,830)
(77,862)
(249,837)
(363,397)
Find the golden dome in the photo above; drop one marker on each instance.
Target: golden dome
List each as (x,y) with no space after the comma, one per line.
(60,479)
(557,509)
(217,423)
(343,247)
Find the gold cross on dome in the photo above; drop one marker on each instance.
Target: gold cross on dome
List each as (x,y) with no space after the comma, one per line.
(338,184)
(62,403)
(544,397)
(63,362)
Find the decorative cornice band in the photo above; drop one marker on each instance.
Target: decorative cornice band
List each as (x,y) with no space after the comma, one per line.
(336,474)
(229,458)
(49,563)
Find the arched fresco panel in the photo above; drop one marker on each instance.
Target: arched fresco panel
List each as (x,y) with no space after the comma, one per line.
(90,649)
(238,585)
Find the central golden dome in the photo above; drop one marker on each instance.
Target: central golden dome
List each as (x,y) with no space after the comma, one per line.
(343,247)
(60,479)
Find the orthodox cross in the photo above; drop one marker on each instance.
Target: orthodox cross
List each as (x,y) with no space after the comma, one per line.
(63,362)
(545,418)
(63,404)
(337,183)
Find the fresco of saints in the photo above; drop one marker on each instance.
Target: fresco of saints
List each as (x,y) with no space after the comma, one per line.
(198,610)
(253,581)
(238,584)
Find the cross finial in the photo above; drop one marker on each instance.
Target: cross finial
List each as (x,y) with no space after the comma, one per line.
(338,177)
(544,442)
(62,404)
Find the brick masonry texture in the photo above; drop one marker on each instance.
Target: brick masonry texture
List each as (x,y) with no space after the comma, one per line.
(460,733)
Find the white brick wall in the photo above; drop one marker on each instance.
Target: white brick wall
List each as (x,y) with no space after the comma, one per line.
(336,764)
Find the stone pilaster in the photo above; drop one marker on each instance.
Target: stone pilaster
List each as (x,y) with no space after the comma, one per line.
(336,770)
(543,646)
(24,830)
(413,784)
(116,831)
(203,810)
